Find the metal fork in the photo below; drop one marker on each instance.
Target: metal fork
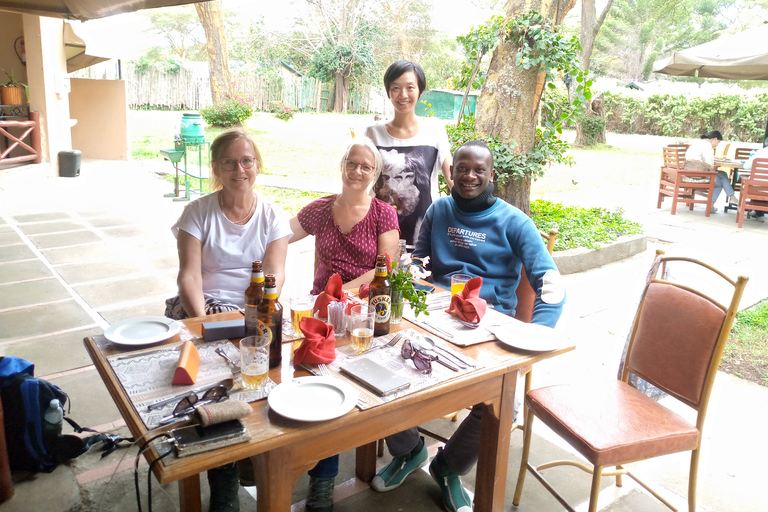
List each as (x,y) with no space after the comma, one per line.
(391,343)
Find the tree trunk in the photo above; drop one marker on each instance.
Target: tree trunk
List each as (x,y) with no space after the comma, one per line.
(509,104)
(342,93)
(212,20)
(590,26)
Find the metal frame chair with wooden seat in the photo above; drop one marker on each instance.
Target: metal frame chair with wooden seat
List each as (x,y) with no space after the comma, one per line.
(677,339)
(754,190)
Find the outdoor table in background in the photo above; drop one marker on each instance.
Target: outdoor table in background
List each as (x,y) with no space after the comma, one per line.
(284,448)
(735,170)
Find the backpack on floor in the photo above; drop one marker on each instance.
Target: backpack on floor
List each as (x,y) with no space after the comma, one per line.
(25,401)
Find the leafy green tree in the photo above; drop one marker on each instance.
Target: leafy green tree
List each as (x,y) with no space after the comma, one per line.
(638,32)
(180,28)
(441,62)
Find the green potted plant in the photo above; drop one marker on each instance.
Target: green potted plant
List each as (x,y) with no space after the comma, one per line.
(10,91)
(400,279)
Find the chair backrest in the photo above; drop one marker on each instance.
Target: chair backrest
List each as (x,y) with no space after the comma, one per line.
(742,153)
(674,156)
(725,148)
(526,296)
(679,336)
(759,170)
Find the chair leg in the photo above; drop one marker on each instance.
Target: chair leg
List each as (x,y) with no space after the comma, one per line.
(595,491)
(692,479)
(528,434)
(380,448)
(618,476)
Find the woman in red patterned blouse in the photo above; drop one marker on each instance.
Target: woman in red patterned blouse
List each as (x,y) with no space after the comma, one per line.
(350,228)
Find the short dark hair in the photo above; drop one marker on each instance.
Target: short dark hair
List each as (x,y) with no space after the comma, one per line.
(397,69)
(714,134)
(475,144)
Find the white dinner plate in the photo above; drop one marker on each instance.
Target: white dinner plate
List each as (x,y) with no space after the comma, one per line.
(530,337)
(313,399)
(146,330)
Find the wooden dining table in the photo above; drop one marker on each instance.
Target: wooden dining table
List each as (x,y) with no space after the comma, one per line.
(282,449)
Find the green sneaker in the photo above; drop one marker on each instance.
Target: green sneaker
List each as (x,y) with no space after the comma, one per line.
(392,475)
(320,495)
(455,497)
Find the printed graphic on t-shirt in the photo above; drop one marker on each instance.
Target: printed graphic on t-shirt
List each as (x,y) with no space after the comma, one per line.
(405,184)
(465,238)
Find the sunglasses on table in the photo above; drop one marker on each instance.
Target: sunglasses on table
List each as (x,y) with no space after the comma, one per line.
(422,359)
(190,402)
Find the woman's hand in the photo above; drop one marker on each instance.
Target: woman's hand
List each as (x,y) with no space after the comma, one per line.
(190,278)
(274,261)
(386,243)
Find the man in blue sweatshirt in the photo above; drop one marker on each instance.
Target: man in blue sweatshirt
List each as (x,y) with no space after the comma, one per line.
(472,232)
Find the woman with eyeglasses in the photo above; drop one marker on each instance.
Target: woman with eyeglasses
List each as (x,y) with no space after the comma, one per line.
(221,234)
(218,237)
(352,227)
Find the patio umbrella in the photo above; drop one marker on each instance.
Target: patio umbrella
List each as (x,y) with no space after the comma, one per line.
(742,56)
(83,9)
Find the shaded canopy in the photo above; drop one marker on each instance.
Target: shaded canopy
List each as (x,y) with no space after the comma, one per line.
(84,9)
(742,56)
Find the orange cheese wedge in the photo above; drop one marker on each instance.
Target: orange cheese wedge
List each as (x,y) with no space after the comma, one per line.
(189,363)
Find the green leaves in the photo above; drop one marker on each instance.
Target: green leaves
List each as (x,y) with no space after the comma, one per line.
(581,227)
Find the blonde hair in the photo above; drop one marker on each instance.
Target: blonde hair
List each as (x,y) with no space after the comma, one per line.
(378,162)
(221,144)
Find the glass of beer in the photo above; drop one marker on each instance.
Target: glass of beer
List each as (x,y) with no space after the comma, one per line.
(254,360)
(458,281)
(301,307)
(361,318)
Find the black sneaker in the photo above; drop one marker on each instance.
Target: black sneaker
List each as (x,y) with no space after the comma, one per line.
(224,483)
(320,495)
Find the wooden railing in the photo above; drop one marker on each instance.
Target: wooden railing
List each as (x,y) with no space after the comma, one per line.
(28,140)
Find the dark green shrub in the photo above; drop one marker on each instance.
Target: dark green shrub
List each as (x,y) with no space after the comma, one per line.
(230,113)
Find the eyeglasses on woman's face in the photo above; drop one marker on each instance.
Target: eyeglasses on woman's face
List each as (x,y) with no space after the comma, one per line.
(364,168)
(230,164)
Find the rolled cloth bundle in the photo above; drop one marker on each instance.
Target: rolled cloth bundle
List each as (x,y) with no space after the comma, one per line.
(223,411)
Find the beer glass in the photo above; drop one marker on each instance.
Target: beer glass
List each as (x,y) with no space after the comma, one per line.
(254,360)
(361,320)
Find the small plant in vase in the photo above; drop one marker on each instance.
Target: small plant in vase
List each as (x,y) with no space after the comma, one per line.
(400,279)
(10,91)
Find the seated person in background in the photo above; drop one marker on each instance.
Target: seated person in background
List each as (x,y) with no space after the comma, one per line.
(350,229)
(760,153)
(219,236)
(472,232)
(700,156)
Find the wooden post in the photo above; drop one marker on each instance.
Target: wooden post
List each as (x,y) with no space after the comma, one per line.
(35,116)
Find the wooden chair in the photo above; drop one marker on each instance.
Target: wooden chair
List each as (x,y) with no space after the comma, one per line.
(526,298)
(677,340)
(742,153)
(672,184)
(754,190)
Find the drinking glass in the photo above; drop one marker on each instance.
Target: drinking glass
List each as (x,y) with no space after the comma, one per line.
(336,317)
(301,307)
(254,361)
(361,318)
(458,281)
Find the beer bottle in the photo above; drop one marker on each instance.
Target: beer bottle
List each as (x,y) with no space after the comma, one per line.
(271,313)
(380,296)
(253,295)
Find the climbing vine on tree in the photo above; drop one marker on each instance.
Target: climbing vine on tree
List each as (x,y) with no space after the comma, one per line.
(542,47)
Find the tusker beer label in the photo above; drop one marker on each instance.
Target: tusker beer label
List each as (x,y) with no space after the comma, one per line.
(382,303)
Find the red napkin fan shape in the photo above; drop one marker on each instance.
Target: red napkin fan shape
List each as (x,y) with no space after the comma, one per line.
(319,345)
(332,293)
(467,304)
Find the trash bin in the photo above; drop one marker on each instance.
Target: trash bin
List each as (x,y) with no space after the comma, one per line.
(69,163)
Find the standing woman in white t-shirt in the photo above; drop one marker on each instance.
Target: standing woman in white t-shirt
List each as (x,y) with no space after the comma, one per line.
(414,149)
(221,234)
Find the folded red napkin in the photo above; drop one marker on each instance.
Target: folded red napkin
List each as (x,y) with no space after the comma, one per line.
(467,304)
(332,293)
(319,345)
